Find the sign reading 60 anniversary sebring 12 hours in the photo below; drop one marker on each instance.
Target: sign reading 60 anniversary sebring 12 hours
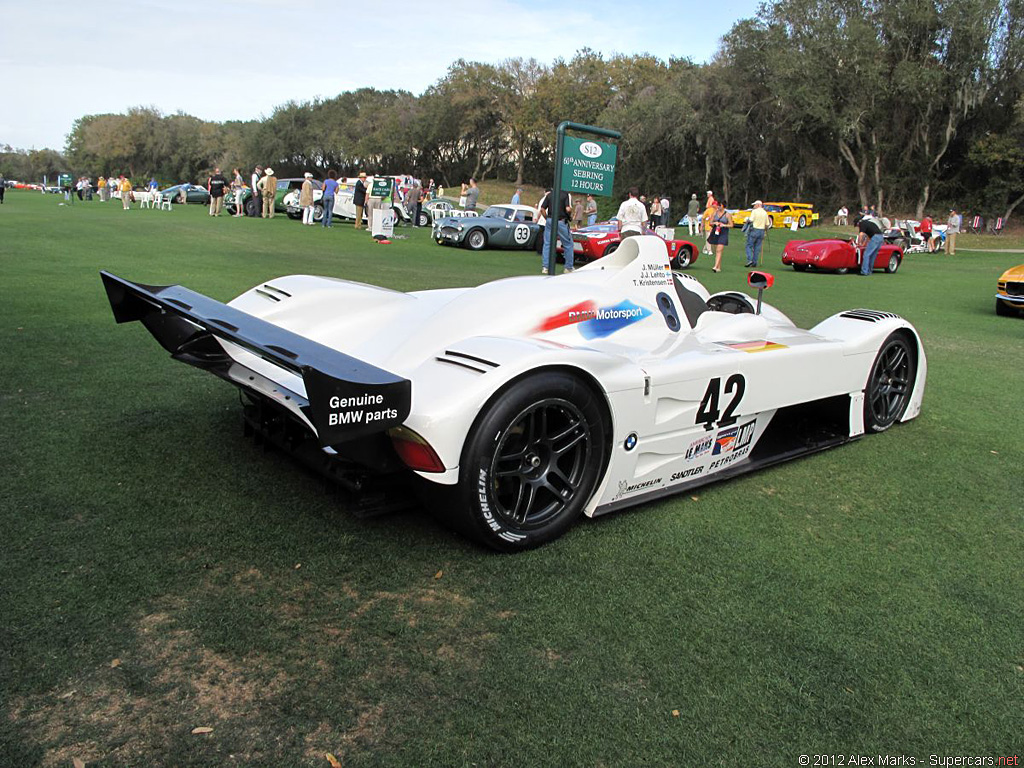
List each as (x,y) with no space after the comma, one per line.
(588,166)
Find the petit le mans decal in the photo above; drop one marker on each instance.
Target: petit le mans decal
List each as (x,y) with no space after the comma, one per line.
(595,322)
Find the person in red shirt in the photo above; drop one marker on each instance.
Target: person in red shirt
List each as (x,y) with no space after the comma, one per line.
(925,229)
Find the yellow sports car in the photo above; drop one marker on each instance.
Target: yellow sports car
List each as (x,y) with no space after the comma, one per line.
(781,215)
(1010,291)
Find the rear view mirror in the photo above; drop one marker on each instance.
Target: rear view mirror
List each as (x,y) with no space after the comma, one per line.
(760,280)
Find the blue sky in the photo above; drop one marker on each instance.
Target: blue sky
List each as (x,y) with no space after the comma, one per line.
(238,59)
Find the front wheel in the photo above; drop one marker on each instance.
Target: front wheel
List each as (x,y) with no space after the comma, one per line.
(476,240)
(1004,310)
(889,384)
(683,259)
(530,464)
(800,267)
(893,265)
(842,270)
(318,212)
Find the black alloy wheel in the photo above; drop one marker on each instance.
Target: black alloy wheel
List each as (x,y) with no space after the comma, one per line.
(890,383)
(531,463)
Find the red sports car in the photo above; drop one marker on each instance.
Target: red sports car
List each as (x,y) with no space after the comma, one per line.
(589,243)
(836,255)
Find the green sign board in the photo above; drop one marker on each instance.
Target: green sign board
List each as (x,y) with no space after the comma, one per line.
(381,187)
(588,166)
(64,180)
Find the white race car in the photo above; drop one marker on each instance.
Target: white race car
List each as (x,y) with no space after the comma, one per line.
(520,405)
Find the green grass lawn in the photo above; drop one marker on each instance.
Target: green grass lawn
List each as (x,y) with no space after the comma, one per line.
(160,573)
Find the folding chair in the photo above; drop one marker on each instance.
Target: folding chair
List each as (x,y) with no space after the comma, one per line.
(996,227)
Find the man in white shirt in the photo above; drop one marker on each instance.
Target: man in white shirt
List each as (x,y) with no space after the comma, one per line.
(631,216)
(255,179)
(755,233)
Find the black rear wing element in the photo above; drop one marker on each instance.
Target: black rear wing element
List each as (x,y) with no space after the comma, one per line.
(345,398)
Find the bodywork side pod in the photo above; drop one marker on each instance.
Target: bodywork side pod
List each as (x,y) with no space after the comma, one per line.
(344,398)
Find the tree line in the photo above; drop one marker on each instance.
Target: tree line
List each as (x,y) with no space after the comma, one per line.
(903,104)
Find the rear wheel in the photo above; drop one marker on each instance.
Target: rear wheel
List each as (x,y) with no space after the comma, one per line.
(889,384)
(424,219)
(476,240)
(802,222)
(530,464)
(318,212)
(610,248)
(683,259)
(893,265)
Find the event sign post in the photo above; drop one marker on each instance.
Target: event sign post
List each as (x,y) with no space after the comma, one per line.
(580,166)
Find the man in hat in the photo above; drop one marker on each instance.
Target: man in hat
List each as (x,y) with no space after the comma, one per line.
(253,183)
(268,188)
(359,198)
(952,230)
(755,233)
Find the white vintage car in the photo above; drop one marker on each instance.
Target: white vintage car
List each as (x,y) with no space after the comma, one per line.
(519,406)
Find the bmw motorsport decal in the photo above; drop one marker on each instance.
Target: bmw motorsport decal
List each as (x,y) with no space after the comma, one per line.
(596,322)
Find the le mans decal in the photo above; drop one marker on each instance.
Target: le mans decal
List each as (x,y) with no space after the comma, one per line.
(596,322)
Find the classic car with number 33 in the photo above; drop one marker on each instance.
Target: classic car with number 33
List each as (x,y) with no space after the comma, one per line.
(519,406)
(500,226)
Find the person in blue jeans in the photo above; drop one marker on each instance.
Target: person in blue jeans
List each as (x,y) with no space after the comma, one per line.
(870,239)
(564,235)
(327,201)
(755,228)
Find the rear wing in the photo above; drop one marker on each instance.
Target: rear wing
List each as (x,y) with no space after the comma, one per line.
(345,398)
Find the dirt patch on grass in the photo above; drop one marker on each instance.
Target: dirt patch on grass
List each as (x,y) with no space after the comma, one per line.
(363,653)
(164,687)
(365,733)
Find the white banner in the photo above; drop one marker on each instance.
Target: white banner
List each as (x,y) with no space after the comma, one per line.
(383,222)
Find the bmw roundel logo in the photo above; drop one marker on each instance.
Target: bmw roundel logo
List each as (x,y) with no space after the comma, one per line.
(630,443)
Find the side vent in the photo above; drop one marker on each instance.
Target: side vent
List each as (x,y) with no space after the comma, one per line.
(868,315)
(469,362)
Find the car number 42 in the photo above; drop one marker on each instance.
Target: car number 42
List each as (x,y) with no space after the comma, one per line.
(708,413)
